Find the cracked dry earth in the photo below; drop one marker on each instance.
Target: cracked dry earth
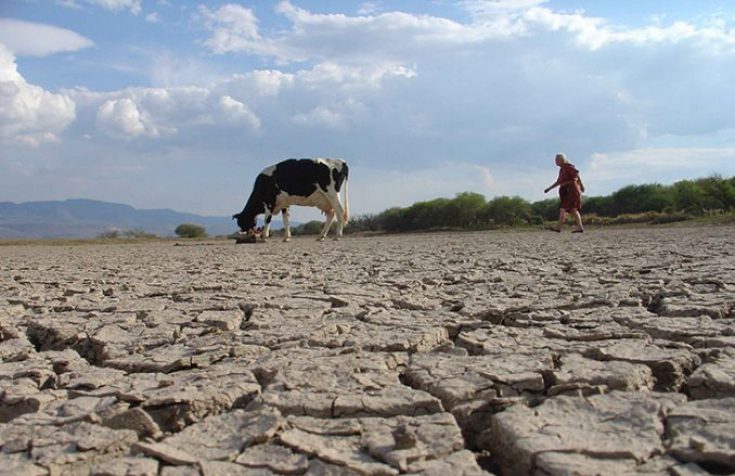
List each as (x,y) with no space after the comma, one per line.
(611,352)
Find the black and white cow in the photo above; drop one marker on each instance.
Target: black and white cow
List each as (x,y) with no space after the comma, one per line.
(307,182)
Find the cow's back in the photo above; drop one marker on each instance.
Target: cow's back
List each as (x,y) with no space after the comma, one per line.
(301,177)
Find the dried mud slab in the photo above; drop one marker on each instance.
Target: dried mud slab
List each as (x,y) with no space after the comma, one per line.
(617,432)
(451,353)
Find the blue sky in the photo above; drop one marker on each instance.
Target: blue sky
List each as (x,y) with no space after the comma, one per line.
(173,104)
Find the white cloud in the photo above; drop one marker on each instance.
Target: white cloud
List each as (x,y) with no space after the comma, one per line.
(37,39)
(483,8)
(168,70)
(320,117)
(487,177)
(260,83)
(151,112)
(163,113)
(349,76)
(642,163)
(29,114)
(397,36)
(153,18)
(238,113)
(114,5)
(233,26)
(325,96)
(595,33)
(368,8)
(121,118)
(390,36)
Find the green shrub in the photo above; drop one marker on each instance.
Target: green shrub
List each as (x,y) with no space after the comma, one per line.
(190,230)
(313,227)
(138,235)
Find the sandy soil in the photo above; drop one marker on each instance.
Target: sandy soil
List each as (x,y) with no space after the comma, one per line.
(611,352)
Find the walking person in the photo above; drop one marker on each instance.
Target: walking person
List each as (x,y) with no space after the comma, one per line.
(570,192)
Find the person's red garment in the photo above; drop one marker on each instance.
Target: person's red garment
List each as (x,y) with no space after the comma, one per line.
(571,197)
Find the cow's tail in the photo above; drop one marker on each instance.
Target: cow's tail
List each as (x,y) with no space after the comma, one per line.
(346,210)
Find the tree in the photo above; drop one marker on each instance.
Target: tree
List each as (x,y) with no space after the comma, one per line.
(464,210)
(688,197)
(507,211)
(641,198)
(391,219)
(720,193)
(425,215)
(190,230)
(547,209)
(601,206)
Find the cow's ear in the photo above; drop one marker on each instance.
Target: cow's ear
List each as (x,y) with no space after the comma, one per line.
(235,216)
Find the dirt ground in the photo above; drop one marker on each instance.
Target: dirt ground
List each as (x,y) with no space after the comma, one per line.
(608,352)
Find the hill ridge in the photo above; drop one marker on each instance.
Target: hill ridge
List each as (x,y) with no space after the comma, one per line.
(84,218)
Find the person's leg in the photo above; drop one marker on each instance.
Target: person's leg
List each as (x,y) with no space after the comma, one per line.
(578,219)
(562,218)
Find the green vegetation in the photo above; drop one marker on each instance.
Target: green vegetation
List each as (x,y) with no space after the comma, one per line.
(190,230)
(134,235)
(648,203)
(313,227)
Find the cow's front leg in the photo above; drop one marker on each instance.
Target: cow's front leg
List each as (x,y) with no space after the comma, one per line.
(327,225)
(267,229)
(286,226)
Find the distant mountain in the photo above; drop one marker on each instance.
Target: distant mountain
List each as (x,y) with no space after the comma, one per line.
(80,218)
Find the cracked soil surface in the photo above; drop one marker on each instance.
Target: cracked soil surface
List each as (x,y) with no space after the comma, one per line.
(511,353)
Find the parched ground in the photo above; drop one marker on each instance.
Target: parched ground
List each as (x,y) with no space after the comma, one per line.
(611,352)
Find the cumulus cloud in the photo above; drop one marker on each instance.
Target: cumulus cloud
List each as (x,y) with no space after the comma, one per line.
(653,162)
(263,82)
(595,33)
(234,28)
(352,76)
(320,117)
(122,118)
(161,113)
(370,37)
(37,39)
(327,95)
(396,36)
(238,113)
(29,114)
(133,5)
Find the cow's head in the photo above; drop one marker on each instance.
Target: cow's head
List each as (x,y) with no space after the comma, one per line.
(246,223)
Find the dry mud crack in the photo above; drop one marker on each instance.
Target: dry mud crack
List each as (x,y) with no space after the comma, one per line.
(475,353)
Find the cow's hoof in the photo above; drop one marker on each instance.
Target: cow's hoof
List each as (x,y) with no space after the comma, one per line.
(337,238)
(286,240)
(321,238)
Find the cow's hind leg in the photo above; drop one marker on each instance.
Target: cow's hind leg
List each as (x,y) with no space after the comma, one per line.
(286,226)
(327,225)
(337,208)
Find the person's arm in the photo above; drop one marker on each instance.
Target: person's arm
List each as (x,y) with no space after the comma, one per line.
(581,185)
(559,184)
(551,186)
